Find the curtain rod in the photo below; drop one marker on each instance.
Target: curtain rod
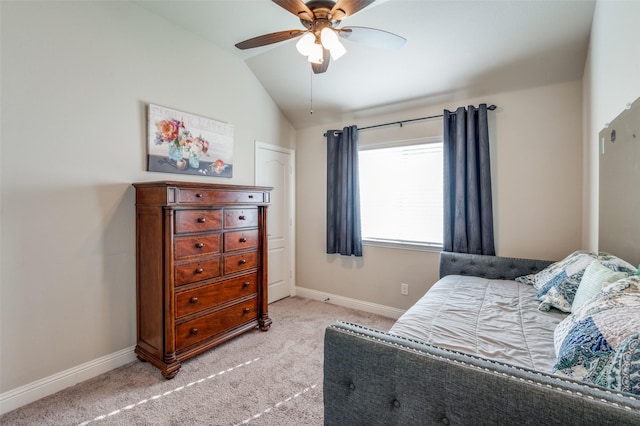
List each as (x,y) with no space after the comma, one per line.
(401,122)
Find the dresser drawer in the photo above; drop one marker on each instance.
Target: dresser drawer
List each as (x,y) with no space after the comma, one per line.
(197,245)
(212,196)
(240,218)
(199,299)
(239,240)
(240,262)
(198,220)
(197,271)
(218,322)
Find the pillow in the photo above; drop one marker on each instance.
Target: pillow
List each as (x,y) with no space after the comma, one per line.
(623,371)
(539,279)
(616,264)
(594,278)
(558,282)
(600,342)
(601,302)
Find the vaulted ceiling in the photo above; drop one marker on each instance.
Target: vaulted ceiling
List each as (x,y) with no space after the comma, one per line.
(454,50)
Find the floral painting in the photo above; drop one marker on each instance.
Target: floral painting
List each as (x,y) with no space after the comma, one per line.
(179,142)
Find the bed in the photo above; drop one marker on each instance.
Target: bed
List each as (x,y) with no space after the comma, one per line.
(478,348)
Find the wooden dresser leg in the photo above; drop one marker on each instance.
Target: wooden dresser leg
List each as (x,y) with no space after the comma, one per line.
(265,322)
(171,372)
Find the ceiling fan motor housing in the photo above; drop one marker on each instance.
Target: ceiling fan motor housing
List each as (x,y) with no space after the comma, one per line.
(317,26)
(321,12)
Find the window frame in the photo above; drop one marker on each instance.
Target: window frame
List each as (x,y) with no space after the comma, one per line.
(402,244)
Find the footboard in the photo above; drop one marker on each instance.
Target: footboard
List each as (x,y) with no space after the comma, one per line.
(374,378)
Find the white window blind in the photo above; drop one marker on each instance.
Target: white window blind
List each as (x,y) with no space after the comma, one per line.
(401,193)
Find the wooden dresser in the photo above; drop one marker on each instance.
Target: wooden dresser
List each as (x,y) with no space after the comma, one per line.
(201,254)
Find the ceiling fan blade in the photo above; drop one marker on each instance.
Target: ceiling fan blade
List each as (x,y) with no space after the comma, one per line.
(372,37)
(297,7)
(344,8)
(320,68)
(271,38)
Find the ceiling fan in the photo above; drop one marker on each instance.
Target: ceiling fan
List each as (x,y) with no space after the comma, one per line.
(319,41)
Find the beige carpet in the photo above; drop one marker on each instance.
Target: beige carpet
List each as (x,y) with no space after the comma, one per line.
(272,378)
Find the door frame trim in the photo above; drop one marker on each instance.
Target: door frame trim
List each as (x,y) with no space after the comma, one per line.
(292,202)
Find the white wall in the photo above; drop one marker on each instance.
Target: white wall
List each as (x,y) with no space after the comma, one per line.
(611,81)
(536,144)
(76,77)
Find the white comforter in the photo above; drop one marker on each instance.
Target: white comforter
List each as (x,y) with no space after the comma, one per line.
(495,319)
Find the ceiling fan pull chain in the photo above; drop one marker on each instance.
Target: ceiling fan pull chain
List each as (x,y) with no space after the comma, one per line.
(311,93)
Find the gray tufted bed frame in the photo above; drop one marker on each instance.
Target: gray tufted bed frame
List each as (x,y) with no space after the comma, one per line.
(375,378)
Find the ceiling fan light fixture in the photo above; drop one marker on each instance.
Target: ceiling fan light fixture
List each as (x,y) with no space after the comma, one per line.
(337,51)
(316,55)
(305,44)
(330,41)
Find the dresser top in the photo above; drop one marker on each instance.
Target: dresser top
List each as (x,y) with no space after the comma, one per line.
(199,194)
(202,185)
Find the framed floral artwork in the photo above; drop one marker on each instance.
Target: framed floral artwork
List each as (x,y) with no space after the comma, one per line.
(179,142)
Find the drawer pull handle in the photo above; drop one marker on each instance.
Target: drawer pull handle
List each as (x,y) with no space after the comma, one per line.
(199,245)
(202,219)
(250,196)
(193,331)
(243,261)
(245,284)
(194,300)
(199,271)
(198,195)
(242,218)
(243,240)
(247,310)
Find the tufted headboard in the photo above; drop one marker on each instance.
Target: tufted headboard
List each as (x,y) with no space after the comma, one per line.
(493,267)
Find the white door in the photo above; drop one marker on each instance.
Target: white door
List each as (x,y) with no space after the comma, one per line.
(275,168)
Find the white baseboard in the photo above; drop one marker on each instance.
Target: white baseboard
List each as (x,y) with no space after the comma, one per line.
(374,308)
(31,392)
(49,385)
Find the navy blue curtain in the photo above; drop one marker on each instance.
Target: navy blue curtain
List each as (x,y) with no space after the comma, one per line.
(344,235)
(468,211)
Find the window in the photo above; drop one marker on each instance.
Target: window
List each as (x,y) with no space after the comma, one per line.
(401,193)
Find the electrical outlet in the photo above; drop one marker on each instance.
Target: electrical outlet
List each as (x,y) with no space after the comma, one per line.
(404,289)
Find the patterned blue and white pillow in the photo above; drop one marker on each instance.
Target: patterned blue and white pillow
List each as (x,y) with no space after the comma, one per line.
(600,342)
(557,283)
(616,264)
